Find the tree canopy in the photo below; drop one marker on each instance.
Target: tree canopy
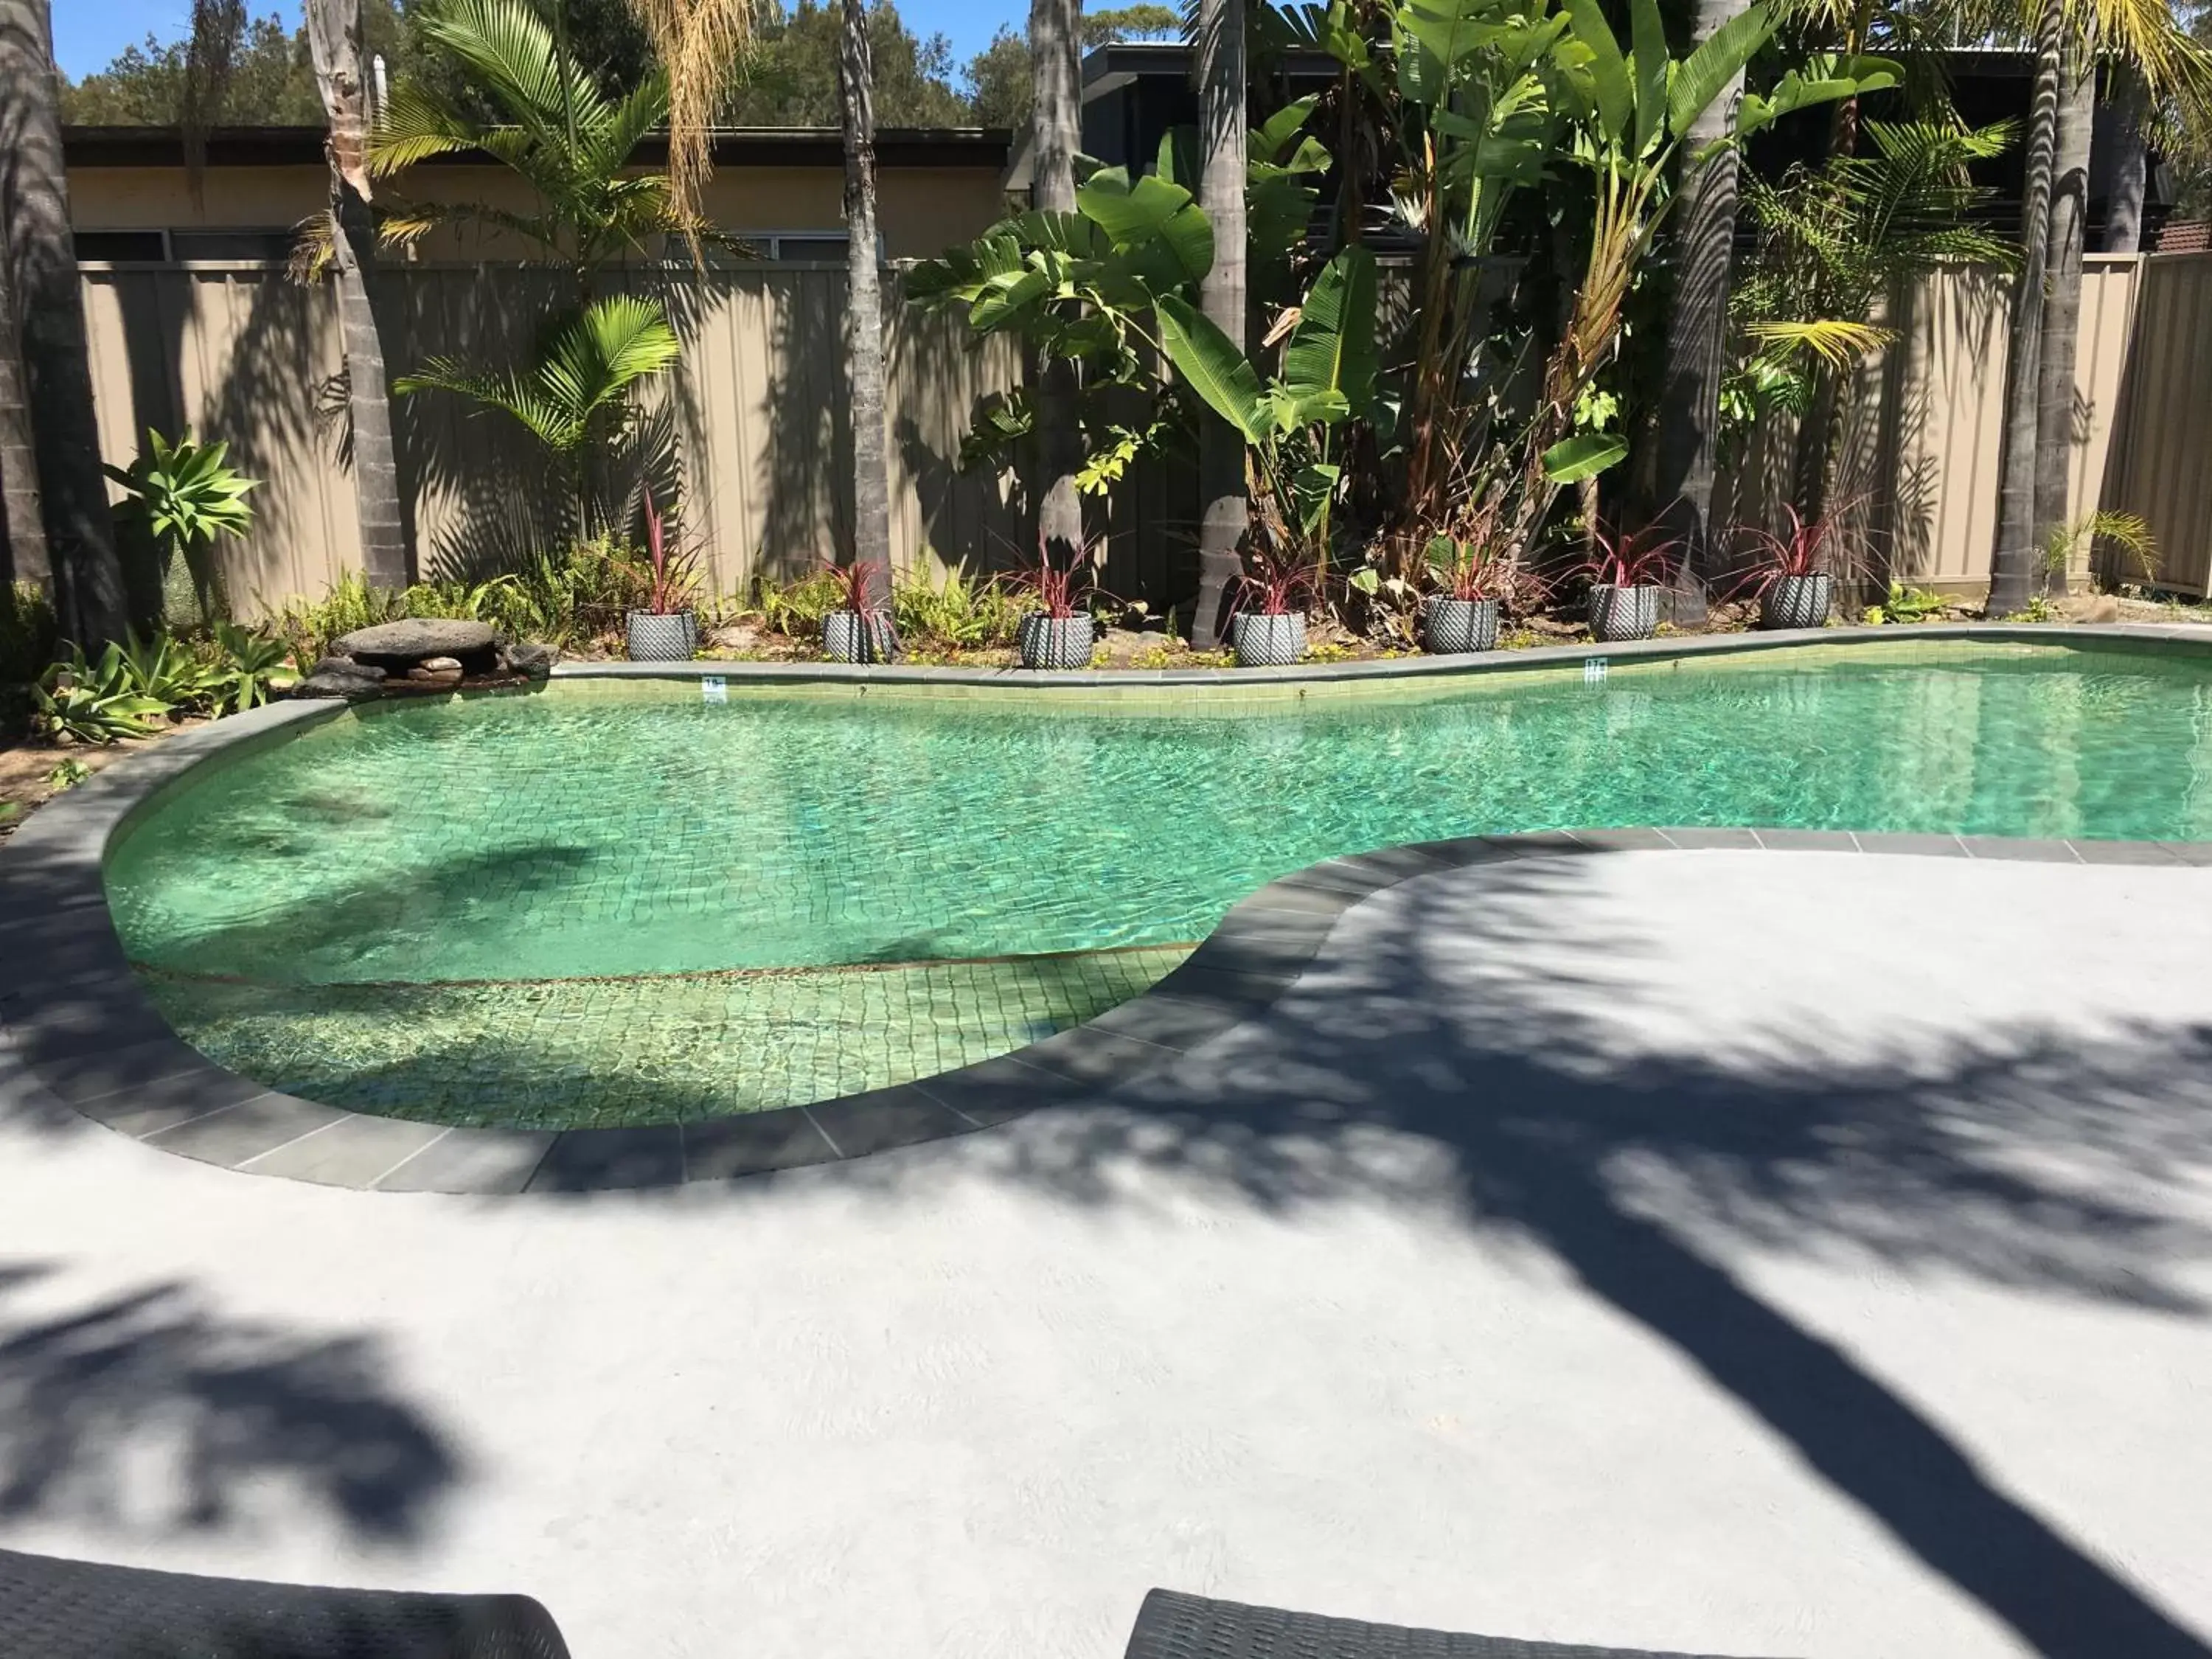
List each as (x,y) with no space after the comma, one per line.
(788,79)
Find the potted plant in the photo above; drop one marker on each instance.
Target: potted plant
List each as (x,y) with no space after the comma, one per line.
(858,629)
(1791,576)
(665,629)
(1269,626)
(1461,615)
(1627,573)
(1060,632)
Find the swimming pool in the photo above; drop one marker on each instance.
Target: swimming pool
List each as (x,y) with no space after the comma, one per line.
(616,901)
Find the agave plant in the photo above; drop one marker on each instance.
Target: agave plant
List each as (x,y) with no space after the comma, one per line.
(165,670)
(188,496)
(95,702)
(254,667)
(578,393)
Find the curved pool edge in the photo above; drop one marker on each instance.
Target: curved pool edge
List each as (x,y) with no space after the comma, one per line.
(2191,637)
(82,1026)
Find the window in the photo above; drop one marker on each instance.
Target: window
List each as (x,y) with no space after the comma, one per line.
(806,246)
(257,246)
(121,246)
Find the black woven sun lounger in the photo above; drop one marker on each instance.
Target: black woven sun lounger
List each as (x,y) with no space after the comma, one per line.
(1174,1626)
(58,1609)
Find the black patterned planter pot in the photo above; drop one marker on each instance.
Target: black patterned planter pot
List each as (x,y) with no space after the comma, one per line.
(1449,627)
(1267,640)
(1622,613)
(663,636)
(1796,601)
(1055,641)
(847,636)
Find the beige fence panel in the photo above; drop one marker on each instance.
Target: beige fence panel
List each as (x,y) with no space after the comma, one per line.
(235,352)
(1921,439)
(758,403)
(2161,464)
(761,419)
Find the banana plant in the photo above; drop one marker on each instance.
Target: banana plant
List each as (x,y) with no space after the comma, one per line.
(1077,287)
(1086,286)
(1630,111)
(1327,377)
(1479,124)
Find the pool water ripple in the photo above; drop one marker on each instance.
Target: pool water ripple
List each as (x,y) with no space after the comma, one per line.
(355,874)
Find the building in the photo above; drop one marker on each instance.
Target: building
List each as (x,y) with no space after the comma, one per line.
(1135,92)
(783,189)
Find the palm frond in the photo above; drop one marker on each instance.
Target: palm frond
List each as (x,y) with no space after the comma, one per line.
(1838,342)
(698,43)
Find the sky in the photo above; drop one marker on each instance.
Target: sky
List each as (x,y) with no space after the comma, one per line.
(88,33)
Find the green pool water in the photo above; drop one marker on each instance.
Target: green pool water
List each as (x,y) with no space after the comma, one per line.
(619,902)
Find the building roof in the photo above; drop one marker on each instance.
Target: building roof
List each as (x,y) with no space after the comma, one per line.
(785,147)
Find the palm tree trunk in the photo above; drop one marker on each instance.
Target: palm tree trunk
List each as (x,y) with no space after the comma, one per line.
(2062,301)
(1056,133)
(41,279)
(2130,163)
(2013,560)
(341,77)
(1697,338)
(22,535)
(864,306)
(1224,513)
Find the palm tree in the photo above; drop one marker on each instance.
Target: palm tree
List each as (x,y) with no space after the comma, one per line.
(2142,35)
(1055,117)
(577,394)
(2061,324)
(1697,329)
(1835,242)
(41,278)
(555,129)
(864,306)
(2012,563)
(341,78)
(1223,510)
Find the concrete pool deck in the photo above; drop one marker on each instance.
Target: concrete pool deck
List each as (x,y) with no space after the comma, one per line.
(1718,1250)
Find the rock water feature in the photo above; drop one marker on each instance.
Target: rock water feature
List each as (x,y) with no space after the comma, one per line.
(423,655)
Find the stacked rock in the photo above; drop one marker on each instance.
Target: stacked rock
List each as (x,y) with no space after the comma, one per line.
(421,654)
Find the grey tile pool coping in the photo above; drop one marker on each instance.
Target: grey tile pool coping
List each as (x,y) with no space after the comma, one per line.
(73,1015)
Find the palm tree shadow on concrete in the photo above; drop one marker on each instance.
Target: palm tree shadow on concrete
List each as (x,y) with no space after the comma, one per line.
(1503,1098)
(90,1394)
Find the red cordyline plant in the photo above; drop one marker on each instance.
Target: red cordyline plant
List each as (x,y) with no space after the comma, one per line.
(1275,583)
(1467,561)
(1632,558)
(854,583)
(1059,591)
(1801,550)
(674,580)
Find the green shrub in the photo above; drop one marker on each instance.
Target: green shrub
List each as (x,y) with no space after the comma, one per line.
(958,614)
(95,702)
(798,608)
(28,635)
(566,597)
(163,668)
(249,668)
(961,613)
